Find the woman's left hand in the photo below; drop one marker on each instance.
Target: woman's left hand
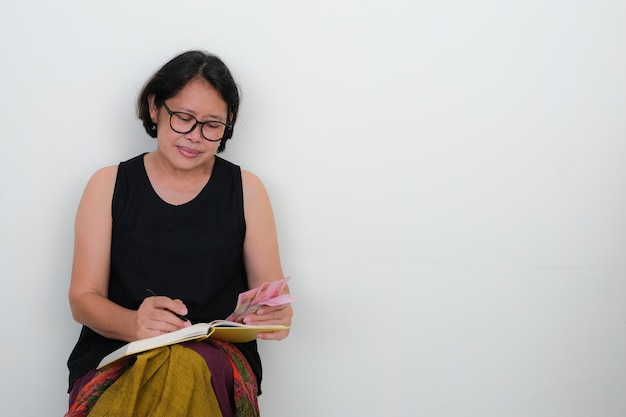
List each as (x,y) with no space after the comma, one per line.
(266,315)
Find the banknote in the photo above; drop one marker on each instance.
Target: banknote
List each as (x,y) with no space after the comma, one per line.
(268,293)
(244,303)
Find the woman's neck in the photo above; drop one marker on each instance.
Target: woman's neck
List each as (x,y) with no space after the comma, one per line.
(174,185)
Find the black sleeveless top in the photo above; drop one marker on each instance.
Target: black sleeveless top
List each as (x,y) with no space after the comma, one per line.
(193,251)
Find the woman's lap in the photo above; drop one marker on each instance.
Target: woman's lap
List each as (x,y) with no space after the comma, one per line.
(217,362)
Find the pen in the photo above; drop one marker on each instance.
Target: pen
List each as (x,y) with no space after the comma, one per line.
(152,294)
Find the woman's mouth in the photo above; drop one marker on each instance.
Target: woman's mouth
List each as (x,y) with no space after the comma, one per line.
(188,152)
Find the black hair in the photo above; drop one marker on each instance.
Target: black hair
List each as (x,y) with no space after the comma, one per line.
(177,73)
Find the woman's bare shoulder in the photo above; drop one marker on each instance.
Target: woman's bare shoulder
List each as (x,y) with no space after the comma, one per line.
(101,183)
(250,179)
(107,172)
(253,187)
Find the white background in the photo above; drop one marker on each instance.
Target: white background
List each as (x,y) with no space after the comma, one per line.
(448,179)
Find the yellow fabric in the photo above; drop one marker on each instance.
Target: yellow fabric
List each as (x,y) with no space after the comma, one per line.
(170,381)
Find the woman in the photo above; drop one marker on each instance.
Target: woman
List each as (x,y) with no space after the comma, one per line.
(184,223)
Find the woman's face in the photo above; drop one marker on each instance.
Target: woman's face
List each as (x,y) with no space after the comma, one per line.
(187,151)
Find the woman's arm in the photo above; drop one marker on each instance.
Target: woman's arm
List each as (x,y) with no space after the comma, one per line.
(90,273)
(261,254)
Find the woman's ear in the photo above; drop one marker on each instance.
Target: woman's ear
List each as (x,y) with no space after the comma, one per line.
(153,108)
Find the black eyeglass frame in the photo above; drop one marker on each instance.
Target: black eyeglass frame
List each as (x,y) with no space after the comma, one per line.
(227,126)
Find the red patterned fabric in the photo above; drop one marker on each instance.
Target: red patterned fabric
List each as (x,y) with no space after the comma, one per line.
(90,393)
(245,385)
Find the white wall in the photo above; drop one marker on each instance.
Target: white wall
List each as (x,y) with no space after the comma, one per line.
(448,179)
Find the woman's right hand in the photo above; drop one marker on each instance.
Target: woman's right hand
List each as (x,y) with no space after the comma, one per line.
(156,316)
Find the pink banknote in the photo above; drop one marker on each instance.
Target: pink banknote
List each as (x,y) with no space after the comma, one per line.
(268,293)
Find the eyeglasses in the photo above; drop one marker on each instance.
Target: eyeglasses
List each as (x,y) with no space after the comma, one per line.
(181,122)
